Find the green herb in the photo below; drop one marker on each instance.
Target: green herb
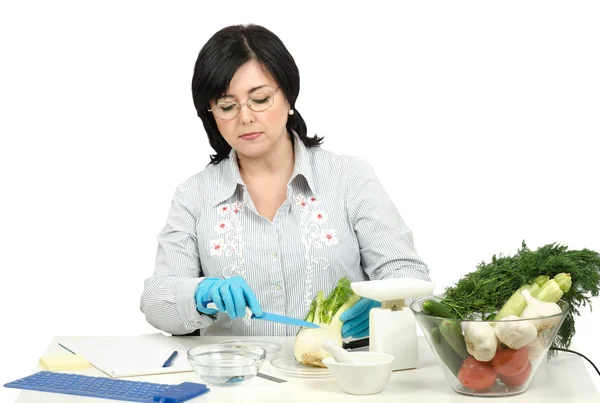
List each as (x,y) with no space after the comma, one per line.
(484,291)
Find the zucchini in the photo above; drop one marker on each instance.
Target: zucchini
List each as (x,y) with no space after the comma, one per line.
(452,333)
(516,303)
(549,291)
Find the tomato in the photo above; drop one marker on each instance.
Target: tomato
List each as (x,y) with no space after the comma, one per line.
(510,362)
(476,375)
(517,380)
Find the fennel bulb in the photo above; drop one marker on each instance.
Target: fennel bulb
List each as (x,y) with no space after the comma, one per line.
(308,346)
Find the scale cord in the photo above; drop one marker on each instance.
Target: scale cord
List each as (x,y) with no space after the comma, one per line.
(579,354)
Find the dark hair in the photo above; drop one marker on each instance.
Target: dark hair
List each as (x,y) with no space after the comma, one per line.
(220,58)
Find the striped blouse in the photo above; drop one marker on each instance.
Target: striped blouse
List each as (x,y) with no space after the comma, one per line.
(337,222)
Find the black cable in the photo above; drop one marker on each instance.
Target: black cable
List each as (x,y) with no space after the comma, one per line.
(579,354)
(358,343)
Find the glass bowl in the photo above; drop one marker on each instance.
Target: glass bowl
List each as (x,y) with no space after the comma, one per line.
(272,348)
(509,371)
(224,365)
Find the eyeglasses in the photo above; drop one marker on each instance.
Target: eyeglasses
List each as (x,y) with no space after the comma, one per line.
(258,102)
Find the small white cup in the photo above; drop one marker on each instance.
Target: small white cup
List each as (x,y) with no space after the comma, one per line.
(367,375)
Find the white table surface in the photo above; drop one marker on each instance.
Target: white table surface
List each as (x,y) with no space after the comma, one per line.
(563,379)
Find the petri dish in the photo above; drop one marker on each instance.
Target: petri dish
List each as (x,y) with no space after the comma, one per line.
(290,366)
(222,365)
(270,347)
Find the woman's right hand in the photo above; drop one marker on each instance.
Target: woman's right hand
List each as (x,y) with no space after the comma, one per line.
(231,295)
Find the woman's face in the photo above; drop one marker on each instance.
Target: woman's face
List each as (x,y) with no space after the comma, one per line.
(253,134)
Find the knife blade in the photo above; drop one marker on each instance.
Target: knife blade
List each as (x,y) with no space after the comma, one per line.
(286,320)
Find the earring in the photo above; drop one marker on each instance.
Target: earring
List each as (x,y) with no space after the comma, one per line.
(291,112)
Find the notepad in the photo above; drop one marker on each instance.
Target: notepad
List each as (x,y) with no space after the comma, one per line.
(126,356)
(64,362)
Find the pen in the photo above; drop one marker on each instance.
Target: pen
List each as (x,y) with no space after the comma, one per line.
(170,359)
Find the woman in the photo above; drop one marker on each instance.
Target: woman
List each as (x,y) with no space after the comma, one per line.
(274,218)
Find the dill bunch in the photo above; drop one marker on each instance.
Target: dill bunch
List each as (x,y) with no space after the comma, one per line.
(485,290)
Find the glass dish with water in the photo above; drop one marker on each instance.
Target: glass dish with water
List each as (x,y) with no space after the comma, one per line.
(225,365)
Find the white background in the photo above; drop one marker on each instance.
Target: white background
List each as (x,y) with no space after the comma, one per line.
(479,118)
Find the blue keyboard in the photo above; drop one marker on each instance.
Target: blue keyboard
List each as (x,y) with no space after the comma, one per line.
(108,388)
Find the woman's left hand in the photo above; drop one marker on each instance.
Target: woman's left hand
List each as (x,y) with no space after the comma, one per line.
(356,319)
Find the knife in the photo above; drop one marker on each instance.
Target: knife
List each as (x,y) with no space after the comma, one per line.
(286,320)
(276,318)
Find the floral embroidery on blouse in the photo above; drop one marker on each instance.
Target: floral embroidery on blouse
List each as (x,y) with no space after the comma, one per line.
(230,241)
(313,237)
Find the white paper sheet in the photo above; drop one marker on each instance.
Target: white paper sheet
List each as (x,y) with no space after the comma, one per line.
(125,356)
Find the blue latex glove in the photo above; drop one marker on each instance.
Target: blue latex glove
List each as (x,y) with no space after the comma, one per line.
(231,295)
(356,319)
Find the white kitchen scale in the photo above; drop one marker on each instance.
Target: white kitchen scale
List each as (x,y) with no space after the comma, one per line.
(393,328)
